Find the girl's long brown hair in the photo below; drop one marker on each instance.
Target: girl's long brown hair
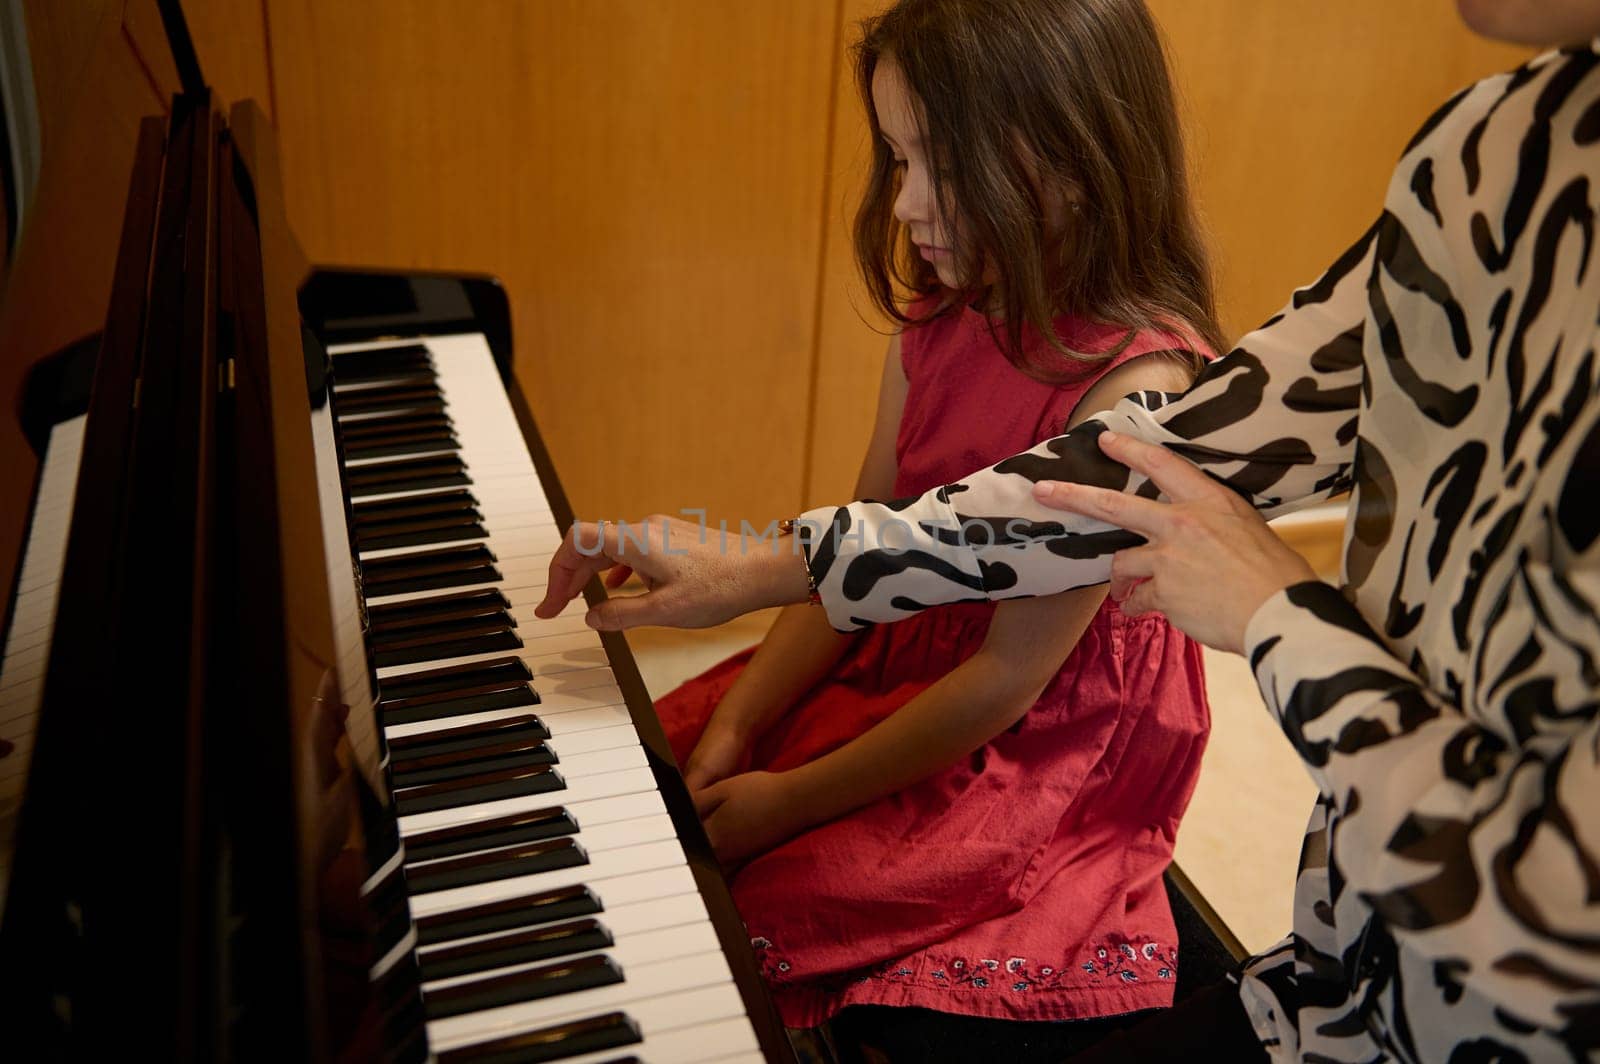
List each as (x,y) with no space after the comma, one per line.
(1077,92)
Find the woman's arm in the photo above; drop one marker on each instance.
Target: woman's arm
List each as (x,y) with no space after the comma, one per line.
(800,648)
(1475,847)
(983,696)
(1481,854)
(1275,419)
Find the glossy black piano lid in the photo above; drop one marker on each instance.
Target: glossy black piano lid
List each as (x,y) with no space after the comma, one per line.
(108,918)
(304,964)
(33,965)
(347,305)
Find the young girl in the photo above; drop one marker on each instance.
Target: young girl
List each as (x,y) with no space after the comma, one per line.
(971,811)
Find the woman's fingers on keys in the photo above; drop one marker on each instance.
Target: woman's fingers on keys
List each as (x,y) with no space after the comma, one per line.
(580,556)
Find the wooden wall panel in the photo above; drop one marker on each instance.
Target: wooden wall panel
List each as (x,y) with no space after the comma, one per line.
(1296,112)
(851,335)
(230,38)
(644,177)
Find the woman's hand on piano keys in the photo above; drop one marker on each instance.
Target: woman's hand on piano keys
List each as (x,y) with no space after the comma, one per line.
(691,578)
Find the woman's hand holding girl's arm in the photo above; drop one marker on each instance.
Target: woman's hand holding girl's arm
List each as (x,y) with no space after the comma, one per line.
(1275,418)
(1209,560)
(979,699)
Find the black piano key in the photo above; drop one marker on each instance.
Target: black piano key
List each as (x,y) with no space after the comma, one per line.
(405,474)
(459,623)
(436,609)
(418,519)
(455,643)
(411,398)
(566,977)
(468,525)
(400,443)
(489,787)
(465,763)
(433,504)
(558,1042)
(519,947)
(379,361)
(428,570)
(524,859)
(389,424)
(501,683)
(408,748)
(491,834)
(413,378)
(525,911)
(387,901)
(504,695)
(455,677)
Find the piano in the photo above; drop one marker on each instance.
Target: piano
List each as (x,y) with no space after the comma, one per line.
(288,768)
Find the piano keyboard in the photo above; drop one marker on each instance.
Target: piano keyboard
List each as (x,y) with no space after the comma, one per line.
(27,646)
(556,916)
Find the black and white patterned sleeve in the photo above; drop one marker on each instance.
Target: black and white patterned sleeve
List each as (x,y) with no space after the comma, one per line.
(1275,419)
(1478,854)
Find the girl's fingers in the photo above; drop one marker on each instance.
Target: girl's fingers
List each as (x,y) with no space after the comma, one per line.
(706,801)
(1130,568)
(1178,478)
(1141,600)
(1118,508)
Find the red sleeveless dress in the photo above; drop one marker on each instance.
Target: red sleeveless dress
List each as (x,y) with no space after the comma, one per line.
(1025,882)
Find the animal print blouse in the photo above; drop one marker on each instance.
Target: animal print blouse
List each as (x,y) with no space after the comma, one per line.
(1446,698)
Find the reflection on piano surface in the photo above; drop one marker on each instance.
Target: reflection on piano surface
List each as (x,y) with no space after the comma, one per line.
(299,775)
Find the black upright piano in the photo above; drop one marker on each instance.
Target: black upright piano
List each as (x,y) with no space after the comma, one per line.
(291,771)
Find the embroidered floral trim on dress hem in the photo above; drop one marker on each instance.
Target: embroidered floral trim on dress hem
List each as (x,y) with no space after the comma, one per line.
(807,1005)
(1123,960)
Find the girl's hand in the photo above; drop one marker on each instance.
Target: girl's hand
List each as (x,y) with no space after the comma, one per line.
(1211,560)
(748,814)
(691,581)
(715,757)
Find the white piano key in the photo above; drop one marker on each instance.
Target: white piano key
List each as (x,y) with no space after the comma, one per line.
(571,744)
(641,947)
(645,887)
(640,984)
(688,1045)
(26,653)
(591,815)
(562,711)
(604,837)
(606,785)
(544,655)
(652,914)
(602,865)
